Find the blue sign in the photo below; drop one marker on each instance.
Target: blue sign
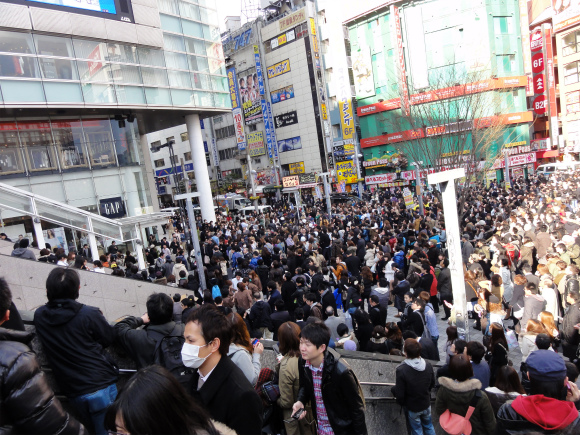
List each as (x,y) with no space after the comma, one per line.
(268,127)
(259,69)
(112,208)
(201,123)
(205,146)
(233,88)
(169,171)
(271,121)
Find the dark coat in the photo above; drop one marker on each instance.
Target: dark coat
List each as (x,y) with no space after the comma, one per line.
(353,264)
(568,333)
(412,387)
(28,403)
(429,350)
(414,322)
(259,316)
(378,315)
(444,282)
(73,337)
(328,301)
(287,290)
(340,394)
(140,343)
(278,319)
(533,306)
(229,398)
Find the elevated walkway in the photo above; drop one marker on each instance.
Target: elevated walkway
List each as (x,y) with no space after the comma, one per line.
(40,208)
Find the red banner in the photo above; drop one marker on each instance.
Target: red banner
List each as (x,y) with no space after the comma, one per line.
(392,138)
(381,106)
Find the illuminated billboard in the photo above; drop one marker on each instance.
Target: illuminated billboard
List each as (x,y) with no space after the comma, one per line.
(107,6)
(112,9)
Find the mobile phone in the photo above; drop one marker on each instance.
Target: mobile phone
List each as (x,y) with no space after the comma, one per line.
(256,341)
(298,413)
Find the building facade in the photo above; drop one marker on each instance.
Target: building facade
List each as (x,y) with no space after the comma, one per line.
(80,88)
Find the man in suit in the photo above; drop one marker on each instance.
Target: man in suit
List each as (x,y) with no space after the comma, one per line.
(327,297)
(218,383)
(86,251)
(279,317)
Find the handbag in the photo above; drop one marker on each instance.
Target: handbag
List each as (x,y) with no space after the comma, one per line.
(455,424)
(270,391)
(512,341)
(426,333)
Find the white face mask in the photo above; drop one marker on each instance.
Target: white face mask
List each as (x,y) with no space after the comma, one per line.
(190,355)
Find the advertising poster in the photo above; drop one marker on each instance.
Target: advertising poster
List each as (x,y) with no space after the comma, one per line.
(282,94)
(279,68)
(233,88)
(408,198)
(346,172)
(256,144)
(239,126)
(362,70)
(250,97)
(55,238)
(259,71)
(296,168)
(286,119)
(290,144)
(271,122)
(292,19)
(346,120)
(566,14)
(269,129)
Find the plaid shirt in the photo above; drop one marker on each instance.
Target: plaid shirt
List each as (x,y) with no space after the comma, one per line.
(324,427)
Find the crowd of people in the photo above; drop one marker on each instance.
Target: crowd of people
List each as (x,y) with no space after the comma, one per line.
(372,277)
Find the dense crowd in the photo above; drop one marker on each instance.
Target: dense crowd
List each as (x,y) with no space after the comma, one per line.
(372,277)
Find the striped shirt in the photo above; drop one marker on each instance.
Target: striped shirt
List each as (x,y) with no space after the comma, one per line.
(324,427)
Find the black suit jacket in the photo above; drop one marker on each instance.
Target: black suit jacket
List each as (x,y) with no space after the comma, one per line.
(229,398)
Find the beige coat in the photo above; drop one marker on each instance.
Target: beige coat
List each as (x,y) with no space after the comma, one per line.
(289,382)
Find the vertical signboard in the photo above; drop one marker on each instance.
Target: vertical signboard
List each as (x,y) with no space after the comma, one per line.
(259,69)
(551,84)
(400,53)
(268,128)
(346,120)
(214,150)
(273,130)
(237,110)
(539,104)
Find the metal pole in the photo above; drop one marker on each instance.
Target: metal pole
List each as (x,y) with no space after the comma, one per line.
(253,184)
(508,182)
(356,162)
(419,190)
(326,182)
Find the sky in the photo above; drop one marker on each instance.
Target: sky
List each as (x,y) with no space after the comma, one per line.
(227,7)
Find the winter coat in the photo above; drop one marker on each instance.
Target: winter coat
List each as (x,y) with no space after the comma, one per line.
(248,363)
(73,337)
(414,381)
(24,253)
(243,300)
(498,397)
(456,396)
(259,316)
(533,306)
(568,333)
(289,383)
(28,403)
(383,293)
(444,282)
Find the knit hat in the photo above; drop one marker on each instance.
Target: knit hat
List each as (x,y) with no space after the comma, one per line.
(546,365)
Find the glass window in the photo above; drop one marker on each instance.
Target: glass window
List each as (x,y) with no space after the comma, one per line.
(503,25)
(36,140)
(68,139)
(173,42)
(86,49)
(191,28)
(19,66)
(18,91)
(179,79)
(94,71)
(159,163)
(203,98)
(53,46)
(129,94)
(196,46)
(150,56)
(176,60)
(126,140)
(10,157)
(14,42)
(170,23)
(573,102)
(168,6)
(189,10)
(58,92)
(98,93)
(506,64)
(182,97)
(99,141)
(222,100)
(62,69)
(184,136)
(125,73)
(199,64)
(158,96)
(571,73)
(122,53)
(187,156)
(154,76)
(201,81)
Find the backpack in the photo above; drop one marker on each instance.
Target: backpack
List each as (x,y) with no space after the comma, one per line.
(168,353)
(215,291)
(455,424)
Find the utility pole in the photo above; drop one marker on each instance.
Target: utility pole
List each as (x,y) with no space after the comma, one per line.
(251,176)
(326,182)
(419,190)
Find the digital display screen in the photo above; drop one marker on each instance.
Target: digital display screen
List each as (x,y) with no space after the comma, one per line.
(106,6)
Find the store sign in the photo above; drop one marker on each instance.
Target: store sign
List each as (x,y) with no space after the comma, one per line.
(270,143)
(412,175)
(324,111)
(376,163)
(537,63)
(540,105)
(346,119)
(273,130)
(566,14)
(536,40)
(259,71)
(291,181)
(517,160)
(279,68)
(296,168)
(346,172)
(282,94)
(233,88)
(239,127)
(312,26)
(386,139)
(382,178)
(292,19)
(398,35)
(307,179)
(540,144)
(382,106)
(286,119)
(256,144)
(518,150)
(214,150)
(112,208)
(283,39)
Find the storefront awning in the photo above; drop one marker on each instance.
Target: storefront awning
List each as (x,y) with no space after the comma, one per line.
(547,154)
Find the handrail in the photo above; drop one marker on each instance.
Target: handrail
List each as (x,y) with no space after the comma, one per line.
(380,384)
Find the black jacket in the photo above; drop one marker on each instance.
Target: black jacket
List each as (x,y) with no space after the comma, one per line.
(263,272)
(27,401)
(317,282)
(140,343)
(278,319)
(414,322)
(413,385)
(328,300)
(378,315)
(429,350)
(340,394)
(287,290)
(73,336)
(259,316)
(229,398)
(353,265)
(568,333)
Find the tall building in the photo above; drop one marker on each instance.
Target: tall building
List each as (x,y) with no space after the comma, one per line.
(399,51)
(81,86)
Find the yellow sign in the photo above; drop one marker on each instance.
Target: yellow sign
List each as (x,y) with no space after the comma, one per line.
(515,144)
(256,144)
(315,45)
(312,26)
(346,171)
(324,111)
(292,19)
(256,49)
(346,120)
(279,68)
(282,39)
(296,168)
(245,171)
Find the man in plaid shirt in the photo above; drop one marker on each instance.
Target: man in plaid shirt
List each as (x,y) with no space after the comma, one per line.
(329,385)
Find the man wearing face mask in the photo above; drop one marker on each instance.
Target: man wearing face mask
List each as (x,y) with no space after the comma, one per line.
(217,382)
